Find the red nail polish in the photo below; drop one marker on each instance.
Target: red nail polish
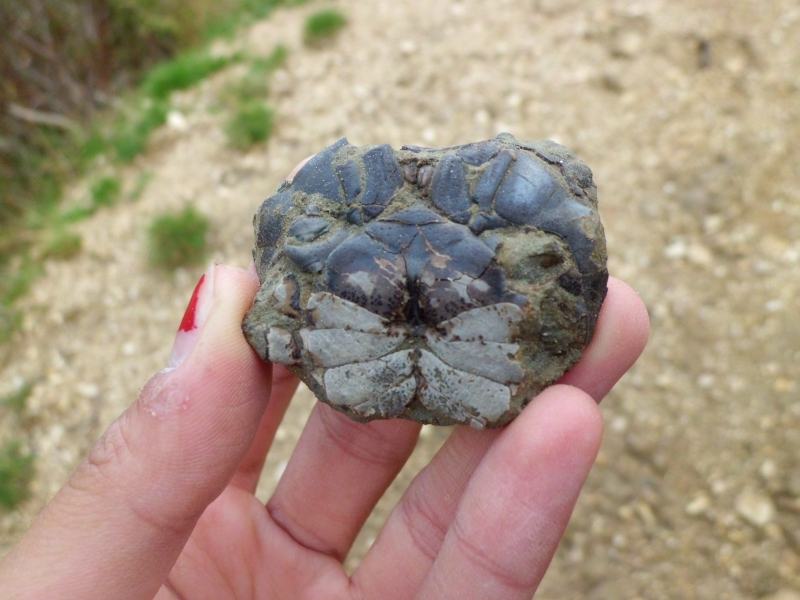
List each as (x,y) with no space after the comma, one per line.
(188,321)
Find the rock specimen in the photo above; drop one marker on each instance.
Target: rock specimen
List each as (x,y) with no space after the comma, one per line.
(441,285)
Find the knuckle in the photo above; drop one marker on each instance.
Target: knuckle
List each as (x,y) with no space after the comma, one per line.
(291,524)
(424,522)
(149,515)
(360,441)
(111,452)
(482,560)
(112,472)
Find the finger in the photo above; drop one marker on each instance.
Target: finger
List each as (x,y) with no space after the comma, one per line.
(412,536)
(517,503)
(117,527)
(299,166)
(623,327)
(284,385)
(335,476)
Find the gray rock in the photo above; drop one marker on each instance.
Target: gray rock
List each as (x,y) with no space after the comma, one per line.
(353,386)
(441,285)
(334,347)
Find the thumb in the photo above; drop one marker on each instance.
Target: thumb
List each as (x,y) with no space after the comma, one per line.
(117,527)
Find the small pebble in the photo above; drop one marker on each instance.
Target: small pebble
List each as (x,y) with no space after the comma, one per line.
(755,507)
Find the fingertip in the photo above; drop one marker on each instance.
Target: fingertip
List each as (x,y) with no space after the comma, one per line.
(280,374)
(234,283)
(220,340)
(299,166)
(567,419)
(636,322)
(251,269)
(621,333)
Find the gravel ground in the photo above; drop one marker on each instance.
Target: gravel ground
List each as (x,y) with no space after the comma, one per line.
(689,113)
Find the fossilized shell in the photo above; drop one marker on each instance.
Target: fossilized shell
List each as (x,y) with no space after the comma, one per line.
(442,285)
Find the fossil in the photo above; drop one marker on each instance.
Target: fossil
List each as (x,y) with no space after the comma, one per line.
(443,285)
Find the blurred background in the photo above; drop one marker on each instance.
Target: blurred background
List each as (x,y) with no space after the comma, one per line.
(137,138)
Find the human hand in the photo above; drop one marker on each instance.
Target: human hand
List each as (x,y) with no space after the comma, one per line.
(164,504)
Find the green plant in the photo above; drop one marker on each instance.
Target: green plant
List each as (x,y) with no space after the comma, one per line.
(78,213)
(253,86)
(323,25)
(17,400)
(62,245)
(9,322)
(274,60)
(16,474)
(140,185)
(250,124)
(130,138)
(181,73)
(178,239)
(16,280)
(105,191)
(254,83)
(244,11)
(91,147)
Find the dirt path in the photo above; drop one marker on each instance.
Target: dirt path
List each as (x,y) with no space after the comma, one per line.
(689,113)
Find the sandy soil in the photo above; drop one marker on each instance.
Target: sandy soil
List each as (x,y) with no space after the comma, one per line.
(689,113)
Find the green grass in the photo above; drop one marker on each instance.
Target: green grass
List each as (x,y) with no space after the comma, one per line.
(17,401)
(62,245)
(17,282)
(130,137)
(16,474)
(254,85)
(92,146)
(323,25)
(105,191)
(181,73)
(14,283)
(179,239)
(139,186)
(246,12)
(132,134)
(79,213)
(251,120)
(275,60)
(250,124)
(10,319)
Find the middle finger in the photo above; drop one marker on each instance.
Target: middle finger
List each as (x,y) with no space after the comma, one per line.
(336,475)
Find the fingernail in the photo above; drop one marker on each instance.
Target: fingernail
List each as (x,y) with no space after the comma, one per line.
(299,166)
(194,318)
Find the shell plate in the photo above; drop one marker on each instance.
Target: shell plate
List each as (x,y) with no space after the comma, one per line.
(441,285)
